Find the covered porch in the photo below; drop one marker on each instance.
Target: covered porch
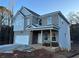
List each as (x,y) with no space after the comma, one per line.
(45,37)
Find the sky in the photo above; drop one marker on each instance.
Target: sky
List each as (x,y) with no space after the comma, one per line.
(43,6)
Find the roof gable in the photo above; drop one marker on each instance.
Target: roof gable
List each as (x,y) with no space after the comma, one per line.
(59,13)
(54,13)
(18,13)
(30,11)
(25,12)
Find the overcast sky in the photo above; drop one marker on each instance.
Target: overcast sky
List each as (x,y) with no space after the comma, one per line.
(44,6)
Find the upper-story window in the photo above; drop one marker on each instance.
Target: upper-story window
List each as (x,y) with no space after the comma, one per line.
(39,22)
(49,20)
(28,21)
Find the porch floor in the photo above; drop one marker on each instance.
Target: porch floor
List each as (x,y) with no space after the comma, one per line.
(40,46)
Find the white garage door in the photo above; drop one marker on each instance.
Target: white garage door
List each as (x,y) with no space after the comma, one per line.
(22,39)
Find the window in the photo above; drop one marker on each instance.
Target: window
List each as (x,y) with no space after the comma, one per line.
(49,20)
(65,35)
(28,21)
(40,22)
(62,21)
(54,38)
(45,36)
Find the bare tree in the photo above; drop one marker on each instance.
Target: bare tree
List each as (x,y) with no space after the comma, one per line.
(4,13)
(73,17)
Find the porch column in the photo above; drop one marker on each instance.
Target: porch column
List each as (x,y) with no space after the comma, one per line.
(30,38)
(50,38)
(41,36)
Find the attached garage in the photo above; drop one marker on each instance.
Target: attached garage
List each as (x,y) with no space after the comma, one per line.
(22,39)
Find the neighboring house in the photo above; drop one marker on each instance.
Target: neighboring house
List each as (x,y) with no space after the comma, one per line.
(74,32)
(31,28)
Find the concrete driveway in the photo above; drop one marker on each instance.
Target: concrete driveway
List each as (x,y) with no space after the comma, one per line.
(11,47)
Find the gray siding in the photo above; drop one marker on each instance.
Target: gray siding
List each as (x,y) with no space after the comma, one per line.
(34,19)
(64,34)
(19,23)
(54,19)
(26,20)
(44,21)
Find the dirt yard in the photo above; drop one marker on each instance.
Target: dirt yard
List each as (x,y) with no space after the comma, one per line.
(43,53)
(40,53)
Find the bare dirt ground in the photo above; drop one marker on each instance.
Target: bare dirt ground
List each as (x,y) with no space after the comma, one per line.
(74,53)
(40,53)
(75,48)
(43,53)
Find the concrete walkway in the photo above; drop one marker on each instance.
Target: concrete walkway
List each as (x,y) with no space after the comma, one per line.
(11,47)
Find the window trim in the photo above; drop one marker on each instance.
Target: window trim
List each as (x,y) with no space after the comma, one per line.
(28,21)
(49,20)
(39,21)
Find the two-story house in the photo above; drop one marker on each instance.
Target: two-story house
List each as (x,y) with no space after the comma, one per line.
(31,28)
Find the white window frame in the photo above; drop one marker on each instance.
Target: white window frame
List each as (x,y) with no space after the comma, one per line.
(28,21)
(49,20)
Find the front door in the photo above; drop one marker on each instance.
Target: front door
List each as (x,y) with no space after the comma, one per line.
(39,38)
(35,38)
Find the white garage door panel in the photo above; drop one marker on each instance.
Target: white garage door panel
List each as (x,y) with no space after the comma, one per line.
(22,39)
